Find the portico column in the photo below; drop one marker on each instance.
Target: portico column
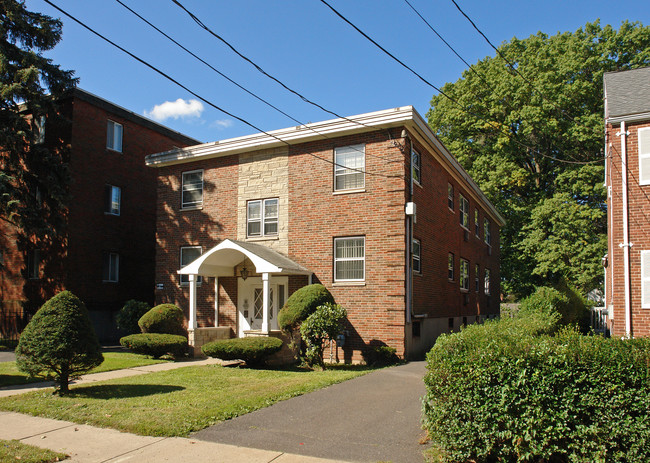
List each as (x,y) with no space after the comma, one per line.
(216,301)
(265,303)
(191,324)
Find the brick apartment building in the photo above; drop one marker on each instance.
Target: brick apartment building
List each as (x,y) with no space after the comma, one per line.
(372,206)
(627,177)
(107,255)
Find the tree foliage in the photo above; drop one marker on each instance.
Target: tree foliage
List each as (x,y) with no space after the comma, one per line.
(30,86)
(59,341)
(534,146)
(325,323)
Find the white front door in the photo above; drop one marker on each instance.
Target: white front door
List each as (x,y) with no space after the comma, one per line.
(250,296)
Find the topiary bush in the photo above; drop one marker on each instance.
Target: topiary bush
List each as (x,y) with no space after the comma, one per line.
(326,322)
(301,304)
(156,344)
(128,316)
(164,318)
(254,350)
(510,390)
(564,301)
(59,341)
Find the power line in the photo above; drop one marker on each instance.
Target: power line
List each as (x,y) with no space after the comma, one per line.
(171,79)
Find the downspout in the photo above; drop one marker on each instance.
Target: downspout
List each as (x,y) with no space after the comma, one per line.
(409,238)
(626,245)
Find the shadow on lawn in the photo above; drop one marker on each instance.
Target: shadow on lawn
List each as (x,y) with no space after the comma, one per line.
(121,391)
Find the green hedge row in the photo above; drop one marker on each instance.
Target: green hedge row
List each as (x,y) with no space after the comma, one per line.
(156,344)
(509,390)
(253,350)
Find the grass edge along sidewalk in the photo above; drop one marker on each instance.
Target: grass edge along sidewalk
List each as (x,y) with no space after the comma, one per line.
(178,401)
(14,450)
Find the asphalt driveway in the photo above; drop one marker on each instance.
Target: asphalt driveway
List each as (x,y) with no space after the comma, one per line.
(372,418)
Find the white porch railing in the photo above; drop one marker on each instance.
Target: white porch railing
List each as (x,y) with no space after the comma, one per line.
(600,320)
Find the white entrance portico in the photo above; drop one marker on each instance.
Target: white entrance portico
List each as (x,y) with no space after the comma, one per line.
(261,289)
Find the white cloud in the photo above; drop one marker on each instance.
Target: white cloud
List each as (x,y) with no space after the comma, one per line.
(175,109)
(222,124)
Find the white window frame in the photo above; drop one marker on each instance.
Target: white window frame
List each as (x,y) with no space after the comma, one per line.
(350,259)
(645,279)
(463,208)
(451,266)
(341,169)
(114,136)
(463,277)
(487,233)
(416,256)
(184,280)
(416,161)
(643,136)
(108,200)
(113,267)
(191,187)
(263,219)
(450,196)
(486,282)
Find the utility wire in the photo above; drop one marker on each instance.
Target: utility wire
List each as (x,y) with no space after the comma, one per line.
(239,85)
(171,79)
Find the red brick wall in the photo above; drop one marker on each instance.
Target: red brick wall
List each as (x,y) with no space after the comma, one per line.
(639,227)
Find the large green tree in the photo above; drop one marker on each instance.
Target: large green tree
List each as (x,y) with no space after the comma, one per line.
(34,178)
(527,125)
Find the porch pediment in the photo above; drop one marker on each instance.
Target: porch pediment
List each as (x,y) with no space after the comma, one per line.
(220,260)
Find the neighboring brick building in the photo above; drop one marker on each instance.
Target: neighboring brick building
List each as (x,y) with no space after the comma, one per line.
(329,202)
(627,177)
(107,255)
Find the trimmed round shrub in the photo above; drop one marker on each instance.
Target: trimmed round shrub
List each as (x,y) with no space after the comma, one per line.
(156,344)
(253,350)
(164,318)
(570,307)
(379,354)
(59,341)
(301,304)
(128,316)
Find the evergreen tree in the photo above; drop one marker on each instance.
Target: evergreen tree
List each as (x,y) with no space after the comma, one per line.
(535,146)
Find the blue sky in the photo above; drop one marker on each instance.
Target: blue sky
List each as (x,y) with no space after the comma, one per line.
(303,44)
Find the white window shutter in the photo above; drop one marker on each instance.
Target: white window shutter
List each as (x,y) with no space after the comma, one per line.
(644,156)
(645,279)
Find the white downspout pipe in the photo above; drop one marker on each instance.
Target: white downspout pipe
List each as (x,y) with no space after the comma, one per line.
(626,245)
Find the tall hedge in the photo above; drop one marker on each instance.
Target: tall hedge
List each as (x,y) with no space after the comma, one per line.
(59,341)
(510,391)
(164,318)
(301,304)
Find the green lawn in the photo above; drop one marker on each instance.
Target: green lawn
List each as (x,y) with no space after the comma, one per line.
(176,402)
(13,450)
(10,375)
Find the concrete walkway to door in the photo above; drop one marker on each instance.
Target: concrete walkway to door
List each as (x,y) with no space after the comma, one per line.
(372,418)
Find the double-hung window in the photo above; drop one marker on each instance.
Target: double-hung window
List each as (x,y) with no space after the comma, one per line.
(463,205)
(262,217)
(188,255)
(415,254)
(34,264)
(111,267)
(114,136)
(450,266)
(417,170)
(350,259)
(464,275)
(645,279)
(486,283)
(112,199)
(39,129)
(644,155)
(349,167)
(477,224)
(450,196)
(486,232)
(477,278)
(192,189)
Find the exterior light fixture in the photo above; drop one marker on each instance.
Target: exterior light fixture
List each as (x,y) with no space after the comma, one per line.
(244,273)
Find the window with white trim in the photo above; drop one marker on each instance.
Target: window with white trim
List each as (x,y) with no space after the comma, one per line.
(450,196)
(415,255)
(192,189)
(111,267)
(188,255)
(486,282)
(463,206)
(350,258)
(349,167)
(486,232)
(644,155)
(477,278)
(477,224)
(645,279)
(114,136)
(450,266)
(112,199)
(34,264)
(464,275)
(262,217)
(417,171)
